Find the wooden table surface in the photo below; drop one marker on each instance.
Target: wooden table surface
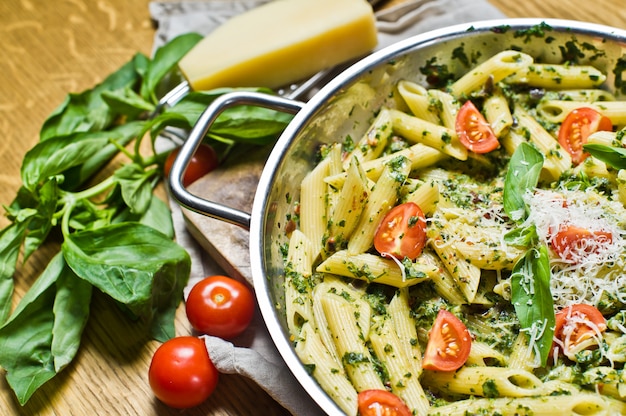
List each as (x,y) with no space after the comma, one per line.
(51,48)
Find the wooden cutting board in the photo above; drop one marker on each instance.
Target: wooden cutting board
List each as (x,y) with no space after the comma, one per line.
(233,184)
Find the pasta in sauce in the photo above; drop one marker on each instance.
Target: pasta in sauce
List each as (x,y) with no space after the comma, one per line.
(360,320)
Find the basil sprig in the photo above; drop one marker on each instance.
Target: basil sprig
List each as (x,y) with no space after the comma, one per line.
(530,280)
(117,235)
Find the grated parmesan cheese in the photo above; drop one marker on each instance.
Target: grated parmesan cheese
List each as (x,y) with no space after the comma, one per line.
(593,272)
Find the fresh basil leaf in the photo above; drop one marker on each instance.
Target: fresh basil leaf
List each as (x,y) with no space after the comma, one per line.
(523,175)
(41,223)
(11,238)
(123,134)
(127,102)
(55,155)
(136,265)
(532,299)
(159,217)
(252,124)
(86,215)
(26,338)
(613,156)
(71,313)
(522,236)
(165,59)
(137,185)
(87,111)
(76,114)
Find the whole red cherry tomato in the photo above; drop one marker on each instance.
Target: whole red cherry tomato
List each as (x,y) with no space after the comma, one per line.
(473,130)
(203,161)
(449,343)
(578,125)
(381,403)
(402,232)
(181,373)
(220,306)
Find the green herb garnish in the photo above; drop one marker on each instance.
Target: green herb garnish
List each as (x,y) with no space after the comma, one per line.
(117,236)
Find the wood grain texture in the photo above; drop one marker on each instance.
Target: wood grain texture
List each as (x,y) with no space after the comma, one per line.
(50,48)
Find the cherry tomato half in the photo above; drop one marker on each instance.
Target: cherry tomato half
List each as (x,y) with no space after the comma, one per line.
(203,161)
(220,306)
(402,232)
(578,125)
(449,343)
(381,403)
(577,323)
(473,130)
(571,242)
(181,373)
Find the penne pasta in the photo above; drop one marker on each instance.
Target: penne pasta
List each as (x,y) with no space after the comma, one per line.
(496,68)
(374,140)
(404,376)
(348,338)
(332,378)
(418,100)
(362,319)
(558,76)
(498,114)
(381,200)
(555,111)
(313,201)
(376,269)
(438,137)
(557,160)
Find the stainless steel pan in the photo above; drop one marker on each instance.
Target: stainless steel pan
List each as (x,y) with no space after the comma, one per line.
(345,106)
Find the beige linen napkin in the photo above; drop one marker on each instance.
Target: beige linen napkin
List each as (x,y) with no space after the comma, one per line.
(253,354)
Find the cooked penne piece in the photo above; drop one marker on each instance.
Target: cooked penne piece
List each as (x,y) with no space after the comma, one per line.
(297,292)
(374,140)
(498,114)
(481,353)
(400,315)
(418,100)
(349,340)
(381,200)
(465,274)
(331,377)
(313,219)
(522,355)
(420,156)
(376,269)
(438,137)
(607,138)
(565,404)
(448,107)
(426,196)
(352,199)
(558,76)
(555,111)
(403,373)
(557,159)
(484,381)
(445,285)
(495,68)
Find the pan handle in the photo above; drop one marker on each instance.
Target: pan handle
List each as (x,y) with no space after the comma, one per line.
(197,134)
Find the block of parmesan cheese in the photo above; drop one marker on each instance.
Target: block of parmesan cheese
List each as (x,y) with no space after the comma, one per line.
(281,42)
